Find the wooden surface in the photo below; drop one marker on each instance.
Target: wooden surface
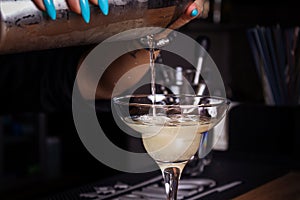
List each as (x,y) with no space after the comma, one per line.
(283,188)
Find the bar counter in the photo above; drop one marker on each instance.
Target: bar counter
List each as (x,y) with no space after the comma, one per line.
(237,176)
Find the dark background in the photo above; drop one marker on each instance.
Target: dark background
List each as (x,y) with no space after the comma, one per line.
(40,151)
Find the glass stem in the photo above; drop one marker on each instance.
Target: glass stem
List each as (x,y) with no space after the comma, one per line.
(171,178)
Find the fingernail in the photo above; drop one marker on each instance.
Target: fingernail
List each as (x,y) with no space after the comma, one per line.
(50,8)
(85,10)
(194,12)
(103,4)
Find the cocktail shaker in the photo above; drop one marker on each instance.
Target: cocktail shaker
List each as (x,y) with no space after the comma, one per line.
(23,27)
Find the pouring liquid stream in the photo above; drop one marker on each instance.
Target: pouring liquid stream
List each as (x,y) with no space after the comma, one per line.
(151,44)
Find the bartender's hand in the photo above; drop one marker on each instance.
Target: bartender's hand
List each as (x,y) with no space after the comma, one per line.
(197,9)
(78,6)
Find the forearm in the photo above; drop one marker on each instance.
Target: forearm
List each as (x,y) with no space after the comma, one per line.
(128,69)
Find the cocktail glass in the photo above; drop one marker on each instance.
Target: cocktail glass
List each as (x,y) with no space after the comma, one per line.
(171,127)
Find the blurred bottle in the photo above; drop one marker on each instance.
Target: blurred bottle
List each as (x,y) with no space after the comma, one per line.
(53,157)
(217,11)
